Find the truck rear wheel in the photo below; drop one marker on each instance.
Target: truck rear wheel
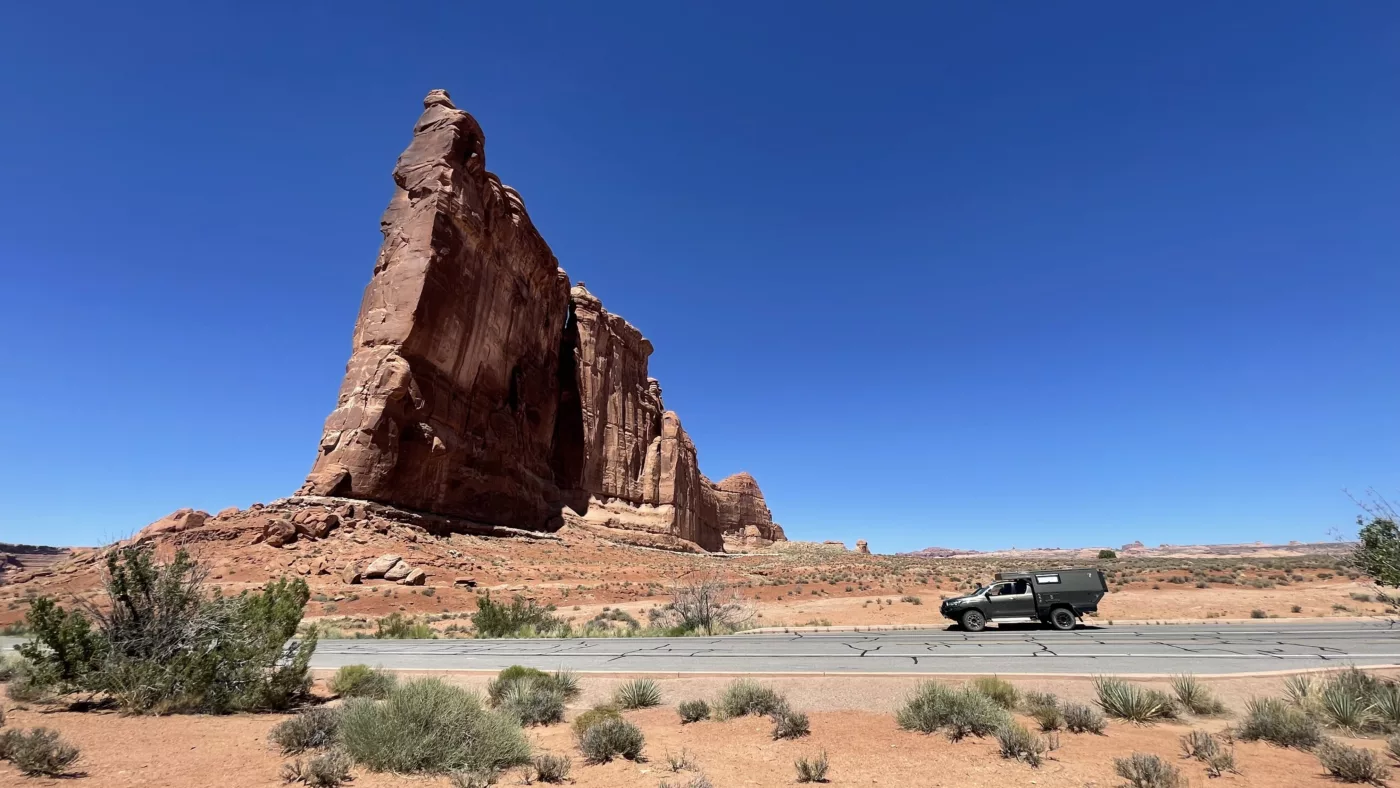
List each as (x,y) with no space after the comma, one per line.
(1062,618)
(973,621)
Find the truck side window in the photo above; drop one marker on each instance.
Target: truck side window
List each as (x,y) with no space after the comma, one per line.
(1020,587)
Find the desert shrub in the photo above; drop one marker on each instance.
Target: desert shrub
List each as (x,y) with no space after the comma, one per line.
(1049,718)
(1038,700)
(323,770)
(1196,697)
(474,778)
(1274,721)
(162,644)
(1133,702)
(638,694)
(693,711)
(532,701)
(563,681)
(1148,771)
(611,738)
(1377,551)
(397,626)
(40,753)
(1258,613)
(362,681)
(1215,753)
(789,724)
(704,603)
(1107,555)
(812,770)
(593,716)
(999,690)
(1299,689)
(1020,744)
(1385,708)
(697,781)
(958,712)
(1344,708)
(521,618)
(26,686)
(1352,764)
(1392,746)
(310,730)
(551,768)
(9,667)
(745,696)
(1080,718)
(426,726)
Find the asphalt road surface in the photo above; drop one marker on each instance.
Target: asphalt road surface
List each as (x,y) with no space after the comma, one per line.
(1202,649)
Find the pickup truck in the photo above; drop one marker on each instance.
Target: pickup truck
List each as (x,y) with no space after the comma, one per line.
(1058,598)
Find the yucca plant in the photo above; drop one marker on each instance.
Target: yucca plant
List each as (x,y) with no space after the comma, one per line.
(1299,689)
(1344,708)
(1132,702)
(1195,697)
(638,694)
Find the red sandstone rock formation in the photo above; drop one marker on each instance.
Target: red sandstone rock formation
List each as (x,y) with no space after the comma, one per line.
(481,387)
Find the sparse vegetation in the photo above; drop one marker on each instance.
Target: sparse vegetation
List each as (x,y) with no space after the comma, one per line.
(1049,718)
(959,712)
(40,752)
(1352,764)
(531,696)
(1017,743)
(551,768)
(362,681)
(522,618)
(693,711)
(1080,718)
(323,770)
(746,697)
(397,626)
(611,738)
(1133,702)
(638,694)
(1277,722)
(593,716)
(1142,770)
(812,770)
(1196,697)
(310,730)
(1217,753)
(999,690)
(427,726)
(789,724)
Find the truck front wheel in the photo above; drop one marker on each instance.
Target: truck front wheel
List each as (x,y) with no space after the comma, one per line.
(973,621)
(1062,618)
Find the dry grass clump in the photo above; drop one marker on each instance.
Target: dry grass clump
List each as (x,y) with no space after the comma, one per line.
(1275,721)
(746,697)
(551,768)
(958,712)
(427,726)
(693,711)
(323,770)
(1080,718)
(1020,744)
(999,690)
(1352,764)
(310,730)
(1148,771)
(611,738)
(1217,753)
(812,770)
(789,724)
(362,681)
(40,752)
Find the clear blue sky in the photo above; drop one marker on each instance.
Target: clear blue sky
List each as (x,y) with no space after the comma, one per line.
(962,274)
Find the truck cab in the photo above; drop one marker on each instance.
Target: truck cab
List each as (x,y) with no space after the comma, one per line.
(1058,598)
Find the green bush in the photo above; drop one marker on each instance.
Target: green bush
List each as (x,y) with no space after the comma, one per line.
(789,724)
(312,729)
(427,726)
(611,738)
(1274,721)
(362,681)
(593,716)
(812,770)
(1017,743)
(1133,702)
(1352,764)
(999,690)
(1080,718)
(693,711)
(551,768)
(397,626)
(1258,613)
(1195,697)
(39,753)
(1107,555)
(521,618)
(533,701)
(164,645)
(745,696)
(638,694)
(324,770)
(1148,771)
(958,712)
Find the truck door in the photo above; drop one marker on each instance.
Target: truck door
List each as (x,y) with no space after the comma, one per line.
(1012,599)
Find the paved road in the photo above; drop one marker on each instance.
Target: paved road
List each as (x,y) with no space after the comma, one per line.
(1201,649)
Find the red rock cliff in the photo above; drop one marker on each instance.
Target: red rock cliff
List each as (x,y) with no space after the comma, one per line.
(480,386)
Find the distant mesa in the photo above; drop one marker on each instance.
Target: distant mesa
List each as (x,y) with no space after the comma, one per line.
(482,386)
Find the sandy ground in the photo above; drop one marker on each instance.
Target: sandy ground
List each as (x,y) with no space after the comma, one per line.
(851,721)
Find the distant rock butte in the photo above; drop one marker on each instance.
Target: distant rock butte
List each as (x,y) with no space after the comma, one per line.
(482,386)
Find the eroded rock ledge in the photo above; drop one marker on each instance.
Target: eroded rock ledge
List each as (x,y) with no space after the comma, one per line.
(483,387)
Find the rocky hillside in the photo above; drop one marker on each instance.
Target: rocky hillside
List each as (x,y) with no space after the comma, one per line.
(25,560)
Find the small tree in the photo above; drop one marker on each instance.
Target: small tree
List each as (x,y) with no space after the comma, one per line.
(1377,551)
(703,602)
(1107,555)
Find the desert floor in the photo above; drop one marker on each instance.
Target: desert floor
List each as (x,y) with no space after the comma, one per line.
(851,719)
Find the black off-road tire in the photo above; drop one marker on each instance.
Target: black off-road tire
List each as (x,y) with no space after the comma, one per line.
(973,621)
(1062,618)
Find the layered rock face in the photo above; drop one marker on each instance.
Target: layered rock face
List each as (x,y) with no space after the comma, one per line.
(481,386)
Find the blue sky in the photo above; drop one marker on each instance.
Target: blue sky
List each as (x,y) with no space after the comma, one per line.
(972,275)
